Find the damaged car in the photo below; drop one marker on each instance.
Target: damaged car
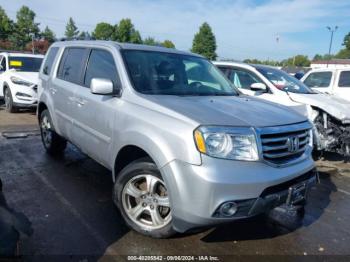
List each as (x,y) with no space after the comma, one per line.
(330,114)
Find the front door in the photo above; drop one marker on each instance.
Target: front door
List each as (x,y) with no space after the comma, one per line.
(94,115)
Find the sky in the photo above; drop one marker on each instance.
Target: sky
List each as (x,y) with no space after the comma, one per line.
(243,28)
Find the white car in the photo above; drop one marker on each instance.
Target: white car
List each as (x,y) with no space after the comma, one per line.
(329,81)
(19,79)
(330,114)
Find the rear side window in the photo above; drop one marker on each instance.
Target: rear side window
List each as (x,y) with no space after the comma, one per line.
(344,79)
(50,57)
(72,63)
(318,79)
(101,65)
(242,78)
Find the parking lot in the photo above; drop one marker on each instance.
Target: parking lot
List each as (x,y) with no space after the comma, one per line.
(68,200)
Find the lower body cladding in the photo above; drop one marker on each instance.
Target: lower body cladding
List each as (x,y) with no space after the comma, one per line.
(220,191)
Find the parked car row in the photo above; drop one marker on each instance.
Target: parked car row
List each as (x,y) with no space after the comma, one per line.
(187,146)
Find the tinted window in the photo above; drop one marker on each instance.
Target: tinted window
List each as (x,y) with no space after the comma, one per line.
(160,73)
(344,79)
(71,64)
(25,64)
(50,57)
(318,79)
(242,79)
(101,65)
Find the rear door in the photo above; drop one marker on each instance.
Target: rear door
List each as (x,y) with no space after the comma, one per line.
(63,87)
(320,81)
(342,88)
(94,115)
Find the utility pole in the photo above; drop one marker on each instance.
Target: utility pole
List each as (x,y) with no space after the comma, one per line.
(332,30)
(33,48)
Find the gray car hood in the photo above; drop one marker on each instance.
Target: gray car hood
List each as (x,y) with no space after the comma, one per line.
(231,111)
(333,105)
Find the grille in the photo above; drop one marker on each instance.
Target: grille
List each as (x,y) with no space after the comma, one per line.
(283,147)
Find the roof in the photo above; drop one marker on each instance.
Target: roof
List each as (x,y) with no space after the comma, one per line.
(123,46)
(332,61)
(226,63)
(11,53)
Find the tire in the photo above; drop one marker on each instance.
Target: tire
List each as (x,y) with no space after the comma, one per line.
(53,143)
(153,215)
(9,101)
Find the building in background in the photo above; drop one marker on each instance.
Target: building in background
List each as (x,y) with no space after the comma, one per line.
(333,63)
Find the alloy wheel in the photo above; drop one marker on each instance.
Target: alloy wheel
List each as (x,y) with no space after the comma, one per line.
(146,202)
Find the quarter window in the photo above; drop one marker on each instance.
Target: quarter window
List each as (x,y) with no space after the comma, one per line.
(49,60)
(101,65)
(344,79)
(71,65)
(318,79)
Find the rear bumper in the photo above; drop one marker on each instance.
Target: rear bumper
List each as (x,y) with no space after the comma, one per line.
(197,192)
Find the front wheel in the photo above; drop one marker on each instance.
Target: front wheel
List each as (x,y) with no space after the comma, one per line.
(142,197)
(53,143)
(9,101)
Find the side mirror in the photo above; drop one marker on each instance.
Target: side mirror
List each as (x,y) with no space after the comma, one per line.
(258,87)
(101,86)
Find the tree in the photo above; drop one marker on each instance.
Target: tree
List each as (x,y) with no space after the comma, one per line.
(71,29)
(204,42)
(25,27)
(103,31)
(150,41)
(6,25)
(346,41)
(126,33)
(298,60)
(48,35)
(168,44)
(343,54)
(84,35)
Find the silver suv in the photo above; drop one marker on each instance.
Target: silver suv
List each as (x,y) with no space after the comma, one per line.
(185,148)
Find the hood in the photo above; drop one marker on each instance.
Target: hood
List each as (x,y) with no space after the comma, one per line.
(333,105)
(242,111)
(32,77)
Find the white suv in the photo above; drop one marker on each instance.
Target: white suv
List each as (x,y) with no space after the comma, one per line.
(19,79)
(329,81)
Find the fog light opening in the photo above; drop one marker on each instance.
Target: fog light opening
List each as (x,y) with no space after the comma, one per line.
(228,209)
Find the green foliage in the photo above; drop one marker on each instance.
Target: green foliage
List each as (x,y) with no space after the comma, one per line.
(84,35)
(150,41)
(298,60)
(168,44)
(6,25)
(25,27)
(343,54)
(204,42)
(263,62)
(103,31)
(48,34)
(126,33)
(346,41)
(71,29)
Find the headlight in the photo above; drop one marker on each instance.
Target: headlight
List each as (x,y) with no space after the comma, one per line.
(19,81)
(226,142)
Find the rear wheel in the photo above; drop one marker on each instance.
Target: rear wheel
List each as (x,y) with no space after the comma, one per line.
(53,143)
(9,101)
(142,197)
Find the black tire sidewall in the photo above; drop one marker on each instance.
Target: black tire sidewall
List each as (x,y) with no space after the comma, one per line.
(133,169)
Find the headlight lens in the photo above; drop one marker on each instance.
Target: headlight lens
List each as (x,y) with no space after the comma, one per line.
(226,142)
(19,81)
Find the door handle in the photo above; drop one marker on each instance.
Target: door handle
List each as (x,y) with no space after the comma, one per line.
(53,90)
(80,101)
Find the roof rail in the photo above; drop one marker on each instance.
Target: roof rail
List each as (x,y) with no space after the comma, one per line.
(76,39)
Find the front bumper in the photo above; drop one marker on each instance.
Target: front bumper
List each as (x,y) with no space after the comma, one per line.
(24,96)
(196,192)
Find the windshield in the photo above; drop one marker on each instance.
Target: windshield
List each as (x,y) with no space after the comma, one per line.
(160,73)
(25,64)
(283,81)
